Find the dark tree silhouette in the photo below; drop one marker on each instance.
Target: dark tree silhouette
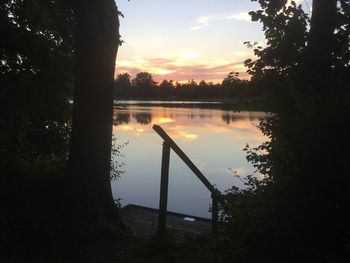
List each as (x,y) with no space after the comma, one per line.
(122,85)
(88,182)
(299,210)
(36,76)
(321,43)
(143,84)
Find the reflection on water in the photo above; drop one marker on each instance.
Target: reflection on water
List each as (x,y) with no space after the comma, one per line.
(143,117)
(213,139)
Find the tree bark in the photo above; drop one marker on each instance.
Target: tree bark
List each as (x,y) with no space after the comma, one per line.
(321,43)
(88,170)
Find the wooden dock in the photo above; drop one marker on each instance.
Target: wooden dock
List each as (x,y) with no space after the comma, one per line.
(144,222)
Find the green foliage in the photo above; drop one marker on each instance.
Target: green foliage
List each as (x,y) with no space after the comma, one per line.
(117,166)
(285,30)
(122,85)
(281,58)
(143,84)
(298,210)
(36,82)
(192,250)
(233,87)
(342,50)
(37,67)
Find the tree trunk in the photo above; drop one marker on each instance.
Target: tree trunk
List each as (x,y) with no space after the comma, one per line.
(321,43)
(88,183)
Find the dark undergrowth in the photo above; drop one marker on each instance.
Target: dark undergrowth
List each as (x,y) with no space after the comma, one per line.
(34,228)
(198,249)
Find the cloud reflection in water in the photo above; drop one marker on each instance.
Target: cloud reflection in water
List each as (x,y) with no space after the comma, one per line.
(212,138)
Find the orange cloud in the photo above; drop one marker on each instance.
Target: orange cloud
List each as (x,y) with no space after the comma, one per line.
(182,67)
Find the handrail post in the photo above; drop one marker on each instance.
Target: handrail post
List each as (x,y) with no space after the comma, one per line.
(215,212)
(215,194)
(163,198)
(183,157)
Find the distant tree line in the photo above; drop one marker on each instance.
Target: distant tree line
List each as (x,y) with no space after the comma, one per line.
(143,86)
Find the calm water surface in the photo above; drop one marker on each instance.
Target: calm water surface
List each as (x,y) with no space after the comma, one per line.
(213,139)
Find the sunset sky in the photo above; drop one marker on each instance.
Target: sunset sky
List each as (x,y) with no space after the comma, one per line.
(187,39)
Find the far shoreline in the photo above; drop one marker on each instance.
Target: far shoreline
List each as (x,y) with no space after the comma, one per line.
(225,104)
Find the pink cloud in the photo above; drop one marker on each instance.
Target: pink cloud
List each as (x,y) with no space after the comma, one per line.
(159,68)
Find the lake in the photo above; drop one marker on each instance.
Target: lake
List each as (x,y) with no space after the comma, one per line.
(212,138)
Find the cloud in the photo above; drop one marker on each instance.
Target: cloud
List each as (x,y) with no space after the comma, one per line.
(181,57)
(203,71)
(182,66)
(203,21)
(241,16)
(138,64)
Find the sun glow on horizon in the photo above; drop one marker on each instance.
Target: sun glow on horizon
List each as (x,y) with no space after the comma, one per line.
(203,42)
(182,67)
